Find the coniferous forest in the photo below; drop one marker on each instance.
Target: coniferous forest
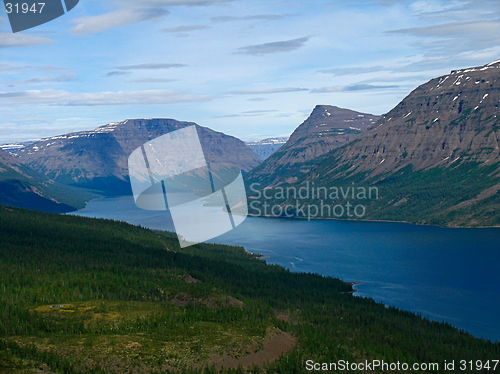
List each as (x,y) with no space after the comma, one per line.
(81,295)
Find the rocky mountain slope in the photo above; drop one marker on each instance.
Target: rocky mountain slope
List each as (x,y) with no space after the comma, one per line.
(448,120)
(266,147)
(98,159)
(327,128)
(22,187)
(435,157)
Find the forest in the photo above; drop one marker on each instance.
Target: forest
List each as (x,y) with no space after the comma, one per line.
(81,295)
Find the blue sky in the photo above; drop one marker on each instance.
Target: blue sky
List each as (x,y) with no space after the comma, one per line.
(251,69)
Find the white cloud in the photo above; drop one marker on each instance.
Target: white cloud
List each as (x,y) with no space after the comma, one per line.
(169,2)
(354,70)
(258,17)
(257,99)
(152,80)
(131,11)
(8,39)
(248,113)
(150,66)
(266,91)
(121,17)
(62,97)
(49,79)
(466,29)
(351,88)
(453,27)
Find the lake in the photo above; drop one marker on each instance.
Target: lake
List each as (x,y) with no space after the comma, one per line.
(445,274)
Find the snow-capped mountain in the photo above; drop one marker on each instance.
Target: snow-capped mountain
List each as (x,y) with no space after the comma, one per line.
(266,147)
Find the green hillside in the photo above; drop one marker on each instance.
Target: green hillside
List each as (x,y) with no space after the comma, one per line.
(464,195)
(25,188)
(81,295)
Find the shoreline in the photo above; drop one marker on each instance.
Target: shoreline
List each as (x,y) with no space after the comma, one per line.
(352,284)
(375,221)
(258,256)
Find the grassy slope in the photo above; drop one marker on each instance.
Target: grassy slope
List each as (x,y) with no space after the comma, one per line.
(128,300)
(32,190)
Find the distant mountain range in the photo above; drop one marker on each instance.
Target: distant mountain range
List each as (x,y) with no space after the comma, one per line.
(435,157)
(14,148)
(327,128)
(266,147)
(98,159)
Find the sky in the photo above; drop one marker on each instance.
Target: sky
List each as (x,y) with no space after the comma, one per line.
(251,69)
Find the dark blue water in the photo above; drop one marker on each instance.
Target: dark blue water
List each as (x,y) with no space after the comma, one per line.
(445,274)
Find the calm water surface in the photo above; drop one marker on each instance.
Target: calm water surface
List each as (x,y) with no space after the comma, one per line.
(445,274)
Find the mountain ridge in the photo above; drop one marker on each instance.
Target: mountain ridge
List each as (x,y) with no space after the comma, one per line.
(98,159)
(326,128)
(446,120)
(435,157)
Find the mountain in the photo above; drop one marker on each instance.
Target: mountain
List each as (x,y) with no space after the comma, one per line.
(266,147)
(327,128)
(435,157)
(98,159)
(25,188)
(447,120)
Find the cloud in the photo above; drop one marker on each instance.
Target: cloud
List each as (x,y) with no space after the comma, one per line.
(257,99)
(458,26)
(448,9)
(455,29)
(33,120)
(249,113)
(9,67)
(259,111)
(51,79)
(465,58)
(115,73)
(8,39)
(150,66)
(132,11)
(399,77)
(176,2)
(263,17)
(267,91)
(354,70)
(152,80)
(121,17)
(184,29)
(351,88)
(274,47)
(65,98)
